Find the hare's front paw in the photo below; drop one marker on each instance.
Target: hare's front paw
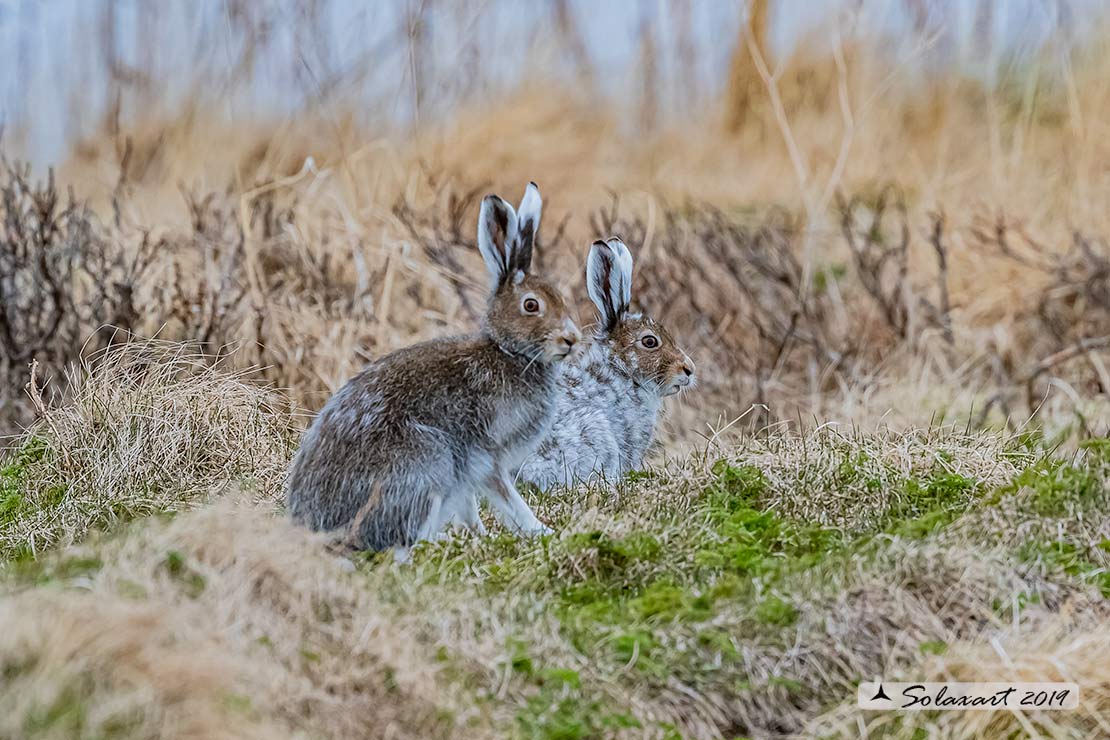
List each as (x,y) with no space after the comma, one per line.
(539,529)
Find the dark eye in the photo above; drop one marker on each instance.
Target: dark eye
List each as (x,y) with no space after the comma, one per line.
(650,341)
(531,305)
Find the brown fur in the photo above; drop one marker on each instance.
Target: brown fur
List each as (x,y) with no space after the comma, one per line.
(661,365)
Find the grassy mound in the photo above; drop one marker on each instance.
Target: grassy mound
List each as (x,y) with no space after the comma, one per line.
(224,623)
(151,428)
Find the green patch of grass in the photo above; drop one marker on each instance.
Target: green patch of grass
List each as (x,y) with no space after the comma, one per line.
(748,540)
(69,713)
(927,505)
(11,502)
(21,498)
(1069,558)
(615,556)
(66,715)
(176,565)
(1058,486)
(13,478)
(933,647)
(62,568)
(775,611)
(551,716)
(628,597)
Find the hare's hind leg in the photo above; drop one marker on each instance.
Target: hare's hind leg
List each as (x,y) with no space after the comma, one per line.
(430,530)
(510,508)
(438,516)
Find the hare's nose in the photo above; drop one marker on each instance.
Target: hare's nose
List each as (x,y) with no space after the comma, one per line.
(570,333)
(688,366)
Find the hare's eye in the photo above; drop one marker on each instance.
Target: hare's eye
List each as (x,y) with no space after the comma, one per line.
(649,341)
(530,305)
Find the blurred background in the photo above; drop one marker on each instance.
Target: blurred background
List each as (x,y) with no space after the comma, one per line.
(75,66)
(871,211)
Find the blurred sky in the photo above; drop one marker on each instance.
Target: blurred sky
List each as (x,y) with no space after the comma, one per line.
(58,58)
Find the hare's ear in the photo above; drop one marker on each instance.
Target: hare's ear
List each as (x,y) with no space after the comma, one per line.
(609,280)
(497,238)
(528,223)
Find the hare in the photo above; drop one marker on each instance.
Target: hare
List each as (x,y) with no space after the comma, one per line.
(610,397)
(412,441)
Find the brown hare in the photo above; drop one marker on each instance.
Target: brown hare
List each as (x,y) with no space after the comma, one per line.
(411,442)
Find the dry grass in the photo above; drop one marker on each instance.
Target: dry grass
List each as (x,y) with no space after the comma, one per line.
(152,427)
(227,623)
(310,271)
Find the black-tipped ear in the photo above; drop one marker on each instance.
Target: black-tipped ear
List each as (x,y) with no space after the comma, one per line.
(528,224)
(599,270)
(609,280)
(497,238)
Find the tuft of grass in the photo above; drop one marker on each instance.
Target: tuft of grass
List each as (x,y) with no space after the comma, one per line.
(152,428)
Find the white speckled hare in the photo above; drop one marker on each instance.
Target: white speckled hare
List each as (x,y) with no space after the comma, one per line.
(408,444)
(609,398)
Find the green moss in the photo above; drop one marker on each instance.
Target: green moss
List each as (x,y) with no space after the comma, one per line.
(519,659)
(1097,449)
(561,677)
(1056,486)
(237,703)
(615,556)
(60,568)
(176,565)
(744,482)
(1072,559)
(683,594)
(660,601)
(943,492)
(13,478)
(933,647)
(11,504)
(749,540)
(19,497)
(66,715)
(551,716)
(774,610)
(69,713)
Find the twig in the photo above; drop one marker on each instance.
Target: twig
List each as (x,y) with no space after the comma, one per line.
(1081,347)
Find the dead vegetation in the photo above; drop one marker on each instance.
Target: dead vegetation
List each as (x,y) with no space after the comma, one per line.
(246,274)
(228,624)
(65,287)
(150,427)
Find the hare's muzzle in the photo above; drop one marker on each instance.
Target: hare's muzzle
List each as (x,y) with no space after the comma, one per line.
(684,377)
(565,340)
(688,368)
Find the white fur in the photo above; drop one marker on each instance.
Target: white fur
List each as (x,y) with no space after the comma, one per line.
(604,419)
(604,424)
(531,208)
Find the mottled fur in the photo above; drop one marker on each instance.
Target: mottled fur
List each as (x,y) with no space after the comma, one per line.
(413,440)
(610,397)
